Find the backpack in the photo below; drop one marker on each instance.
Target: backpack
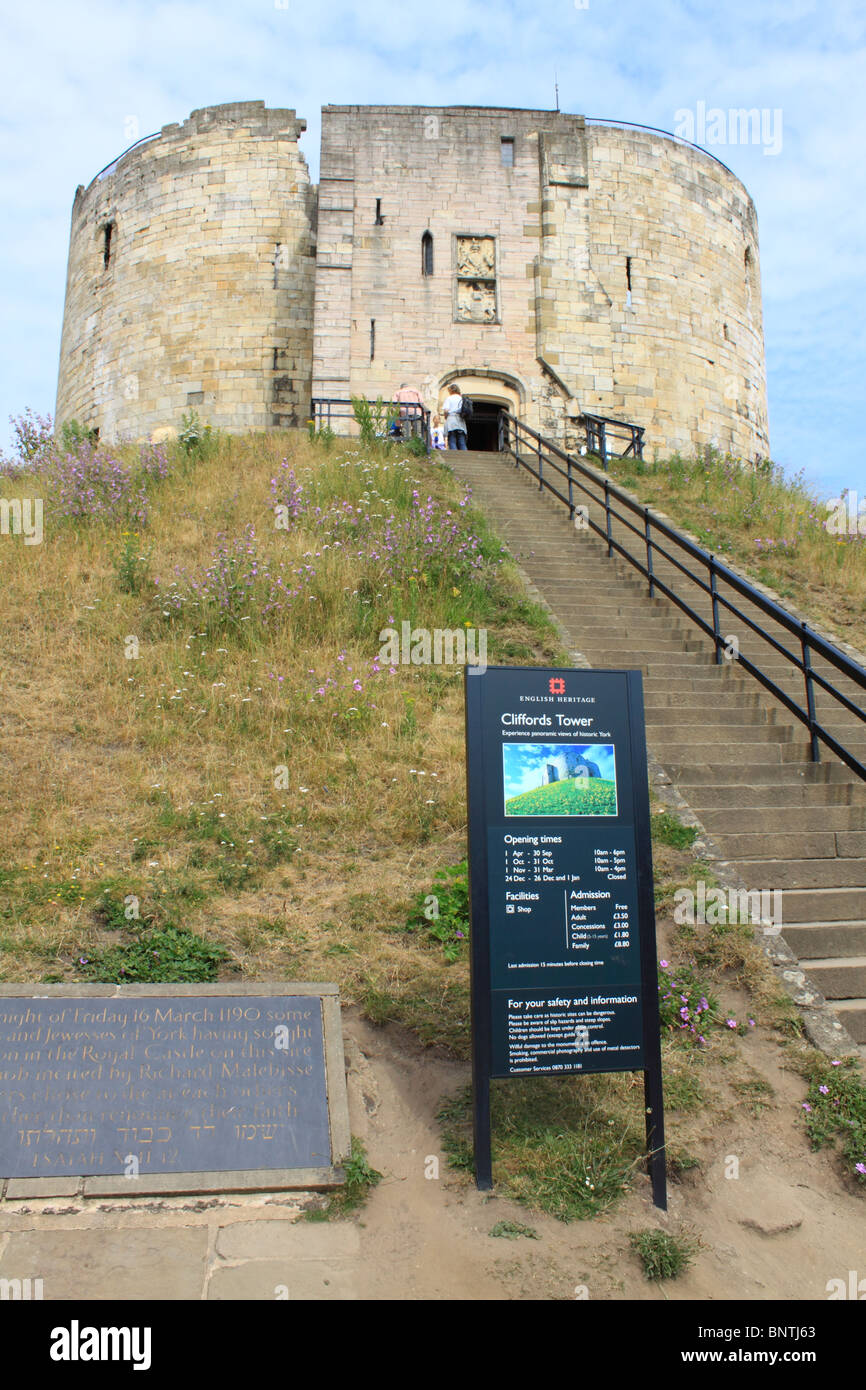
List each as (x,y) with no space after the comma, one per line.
(465,408)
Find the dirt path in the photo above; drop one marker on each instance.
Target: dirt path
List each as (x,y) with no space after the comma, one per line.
(780,1230)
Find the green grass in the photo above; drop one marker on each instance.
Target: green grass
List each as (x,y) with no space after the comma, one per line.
(564,1146)
(835,1112)
(663,1256)
(668,829)
(770,526)
(443,913)
(168,955)
(577,796)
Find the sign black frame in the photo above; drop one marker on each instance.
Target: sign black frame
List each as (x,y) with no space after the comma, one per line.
(479,817)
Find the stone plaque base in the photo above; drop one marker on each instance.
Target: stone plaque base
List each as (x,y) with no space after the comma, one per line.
(138,1089)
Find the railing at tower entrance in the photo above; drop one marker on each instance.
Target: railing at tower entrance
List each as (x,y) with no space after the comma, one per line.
(818,683)
(400,419)
(603,434)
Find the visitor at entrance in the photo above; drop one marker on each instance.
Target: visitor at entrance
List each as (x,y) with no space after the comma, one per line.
(407,395)
(455,425)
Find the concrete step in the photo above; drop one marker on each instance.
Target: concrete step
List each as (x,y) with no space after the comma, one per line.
(839,979)
(765,774)
(852,1015)
(713,696)
(822,904)
(734,735)
(773,798)
(763,819)
(820,940)
(775,844)
(804,873)
(638,638)
(675,757)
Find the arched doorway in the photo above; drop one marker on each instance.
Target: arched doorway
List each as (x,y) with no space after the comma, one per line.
(482,431)
(490,393)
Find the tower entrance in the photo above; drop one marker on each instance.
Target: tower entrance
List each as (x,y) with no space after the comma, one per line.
(490,392)
(483,428)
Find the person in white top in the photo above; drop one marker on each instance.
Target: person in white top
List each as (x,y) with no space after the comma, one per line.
(455,425)
(437,433)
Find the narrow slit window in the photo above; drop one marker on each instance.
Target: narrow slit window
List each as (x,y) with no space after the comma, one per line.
(506,151)
(427,254)
(628,272)
(107,232)
(379,218)
(372,339)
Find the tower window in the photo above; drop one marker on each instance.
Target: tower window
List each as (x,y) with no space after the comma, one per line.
(379,218)
(506,151)
(628,272)
(372,339)
(106,243)
(427,254)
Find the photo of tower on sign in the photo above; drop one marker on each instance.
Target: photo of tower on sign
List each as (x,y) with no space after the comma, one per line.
(560,779)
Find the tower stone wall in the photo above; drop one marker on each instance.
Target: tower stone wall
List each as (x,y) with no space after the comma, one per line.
(190,279)
(549,264)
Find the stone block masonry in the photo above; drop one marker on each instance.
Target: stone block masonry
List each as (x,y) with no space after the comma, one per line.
(551,265)
(190,280)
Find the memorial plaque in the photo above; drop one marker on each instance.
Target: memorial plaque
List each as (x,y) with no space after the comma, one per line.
(172,1088)
(560,860)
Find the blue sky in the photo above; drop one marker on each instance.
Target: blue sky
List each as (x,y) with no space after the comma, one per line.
(79,80)
(524,763)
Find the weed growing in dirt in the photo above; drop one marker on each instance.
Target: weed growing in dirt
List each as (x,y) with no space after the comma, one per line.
(512,1230)
(668,829)
(360,1180)
(663,1256)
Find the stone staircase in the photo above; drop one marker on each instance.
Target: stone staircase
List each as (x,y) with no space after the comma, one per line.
(736,755)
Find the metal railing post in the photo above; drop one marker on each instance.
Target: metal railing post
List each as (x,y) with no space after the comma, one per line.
(714,590)
(602,433)
(538,452)
(649,549)
(810,694)
(570,489)
(608,519)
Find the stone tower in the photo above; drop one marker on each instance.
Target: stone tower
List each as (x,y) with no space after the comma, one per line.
(190,279)
(553,266)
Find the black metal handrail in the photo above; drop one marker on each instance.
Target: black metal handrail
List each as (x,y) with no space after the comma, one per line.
(601,428)
(533,452)
(324,410)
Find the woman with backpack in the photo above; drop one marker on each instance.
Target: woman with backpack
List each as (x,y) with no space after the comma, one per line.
(456,410)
